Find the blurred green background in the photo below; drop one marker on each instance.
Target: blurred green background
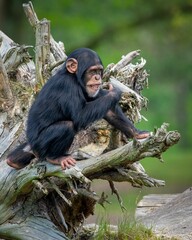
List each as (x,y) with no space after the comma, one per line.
(163,31)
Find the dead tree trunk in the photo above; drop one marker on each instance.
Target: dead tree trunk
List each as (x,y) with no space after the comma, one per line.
(42,201)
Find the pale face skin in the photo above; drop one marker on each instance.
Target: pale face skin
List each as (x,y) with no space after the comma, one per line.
(93,80)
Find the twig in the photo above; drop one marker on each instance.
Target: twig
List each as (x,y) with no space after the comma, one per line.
(60,213)
(40,186)
(42,56)
(115,191)
(30,13)
(103,199)
(56,188)
(125,60)
(124,88)
(4,82)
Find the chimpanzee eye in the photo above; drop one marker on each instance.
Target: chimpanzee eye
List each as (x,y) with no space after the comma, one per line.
(94,72)
(99,71)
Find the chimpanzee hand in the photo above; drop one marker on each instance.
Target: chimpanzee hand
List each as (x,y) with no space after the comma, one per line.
(115,92)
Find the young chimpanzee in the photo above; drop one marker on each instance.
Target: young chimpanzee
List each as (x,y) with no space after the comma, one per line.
(71,100)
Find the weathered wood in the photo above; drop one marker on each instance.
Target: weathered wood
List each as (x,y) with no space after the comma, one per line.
(152,202)
(172,219)
(17,61)
(57,49)
(5,89)
(18,188)
(125,60)
(21,182)
(42,201)
(42,49)
(32,228)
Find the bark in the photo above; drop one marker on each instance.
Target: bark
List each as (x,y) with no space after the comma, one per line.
(42,201)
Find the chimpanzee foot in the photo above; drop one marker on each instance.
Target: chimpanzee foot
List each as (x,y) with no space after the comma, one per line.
(14,165)
(65,162)
(142,134)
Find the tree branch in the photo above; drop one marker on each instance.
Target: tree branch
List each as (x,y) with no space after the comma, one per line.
(57,49)
(150,147)
(5,89)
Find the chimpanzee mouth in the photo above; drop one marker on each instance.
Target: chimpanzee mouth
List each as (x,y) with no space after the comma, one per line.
(94,85)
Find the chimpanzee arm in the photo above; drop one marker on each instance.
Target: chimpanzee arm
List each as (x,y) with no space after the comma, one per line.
(117,118)
(96,109)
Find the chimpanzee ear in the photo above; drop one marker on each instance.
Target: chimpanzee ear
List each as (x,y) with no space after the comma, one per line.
(72,65)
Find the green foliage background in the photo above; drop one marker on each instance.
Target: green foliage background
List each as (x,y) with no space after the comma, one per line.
(162,30)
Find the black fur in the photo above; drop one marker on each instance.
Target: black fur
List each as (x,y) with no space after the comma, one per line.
(63,108)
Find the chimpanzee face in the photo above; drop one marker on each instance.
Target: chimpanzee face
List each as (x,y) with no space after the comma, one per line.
(93,80)
(88,69)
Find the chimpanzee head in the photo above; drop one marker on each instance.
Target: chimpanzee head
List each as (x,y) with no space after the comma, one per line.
(88,68)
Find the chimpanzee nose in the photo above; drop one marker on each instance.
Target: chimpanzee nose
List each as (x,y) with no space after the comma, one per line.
(97,76)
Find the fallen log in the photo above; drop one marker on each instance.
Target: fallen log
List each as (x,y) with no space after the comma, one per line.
(168,215)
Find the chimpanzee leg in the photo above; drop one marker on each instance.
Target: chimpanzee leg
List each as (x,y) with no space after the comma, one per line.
(54,141)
